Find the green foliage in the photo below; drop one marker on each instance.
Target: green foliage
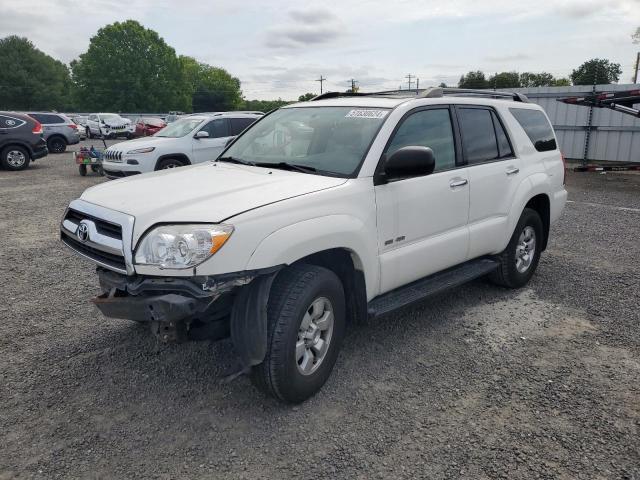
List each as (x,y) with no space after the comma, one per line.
(596,71)
(443,85)
(542,79)
(636,36)
(262,105)
(129,68)
(561,82)
(473,80)
(504,80)
(31,79)
(212,89)
(306,97)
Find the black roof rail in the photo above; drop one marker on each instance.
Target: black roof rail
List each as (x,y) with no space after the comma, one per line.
(431,92)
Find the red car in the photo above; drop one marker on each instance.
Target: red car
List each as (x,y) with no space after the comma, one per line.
(146,126)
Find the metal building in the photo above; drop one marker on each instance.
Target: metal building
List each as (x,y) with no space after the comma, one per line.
(589,133)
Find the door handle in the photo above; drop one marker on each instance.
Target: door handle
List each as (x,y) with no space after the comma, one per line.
(458,183)
(512,170)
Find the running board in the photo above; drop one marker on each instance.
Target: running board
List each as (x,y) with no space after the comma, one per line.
(431,285)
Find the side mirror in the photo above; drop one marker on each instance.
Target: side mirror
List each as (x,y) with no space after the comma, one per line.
(201,134)
(229,140)
(408,162)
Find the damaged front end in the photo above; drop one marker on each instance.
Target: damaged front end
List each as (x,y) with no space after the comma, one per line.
(194,308)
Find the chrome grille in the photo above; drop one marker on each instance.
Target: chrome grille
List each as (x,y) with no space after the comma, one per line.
(113,155)
(101,240)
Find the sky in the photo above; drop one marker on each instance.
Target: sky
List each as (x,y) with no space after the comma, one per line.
(278,48)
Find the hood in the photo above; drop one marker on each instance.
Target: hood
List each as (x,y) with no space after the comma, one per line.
(117,123)
(209,192)
(141,142)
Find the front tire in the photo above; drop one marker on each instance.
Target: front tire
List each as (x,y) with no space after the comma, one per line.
(14,158)
(518,262)
(306,322)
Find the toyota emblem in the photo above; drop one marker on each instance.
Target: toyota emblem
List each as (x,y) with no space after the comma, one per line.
(83,232)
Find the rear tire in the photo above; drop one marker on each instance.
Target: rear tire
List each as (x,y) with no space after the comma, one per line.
(518,262)
(56,145)
(14,158)
(82,170)
(169,163)
(305,327)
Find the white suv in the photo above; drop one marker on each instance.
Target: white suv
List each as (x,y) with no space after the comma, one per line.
(335,210)
(188,140)
(109,125)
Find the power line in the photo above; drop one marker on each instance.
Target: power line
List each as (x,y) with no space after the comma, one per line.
(321,80)
(409,77)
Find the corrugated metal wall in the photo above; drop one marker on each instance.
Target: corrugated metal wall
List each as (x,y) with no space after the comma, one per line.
(614,136)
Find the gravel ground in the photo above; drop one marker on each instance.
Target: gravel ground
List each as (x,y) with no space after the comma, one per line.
(479,383)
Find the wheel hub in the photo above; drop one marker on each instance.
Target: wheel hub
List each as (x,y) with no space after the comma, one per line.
(314,336)
(525,249)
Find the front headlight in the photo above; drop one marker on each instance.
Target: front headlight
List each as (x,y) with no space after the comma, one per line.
(181,246)
(141,150)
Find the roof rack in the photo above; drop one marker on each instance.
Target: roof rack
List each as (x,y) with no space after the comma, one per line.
(431,92)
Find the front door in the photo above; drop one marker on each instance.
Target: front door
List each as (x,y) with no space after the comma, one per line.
(210,147)
(422,221)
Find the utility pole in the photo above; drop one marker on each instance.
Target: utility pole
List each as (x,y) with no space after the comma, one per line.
(321,80)
(417,84)
(353,85)
(635,73)
(409,77)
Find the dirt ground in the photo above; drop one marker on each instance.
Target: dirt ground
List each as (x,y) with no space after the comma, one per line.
(478,383)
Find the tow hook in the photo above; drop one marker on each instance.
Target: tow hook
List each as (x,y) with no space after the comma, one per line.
(170,332)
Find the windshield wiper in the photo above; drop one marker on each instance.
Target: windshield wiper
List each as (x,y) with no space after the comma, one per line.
(288,166)
(236,160)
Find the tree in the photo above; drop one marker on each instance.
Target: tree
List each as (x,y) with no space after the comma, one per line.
(596,71)
(129,68)
(31,79)
(306,97)
(542,79)
(263,105)
(636,36)
(504,80)
(561,82)
(211,89)
(443,85)
(473,80)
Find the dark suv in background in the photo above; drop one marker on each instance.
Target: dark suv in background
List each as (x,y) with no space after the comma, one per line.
(21,140)
(59,130)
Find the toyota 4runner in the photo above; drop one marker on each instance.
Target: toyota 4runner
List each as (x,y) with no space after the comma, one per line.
(346,207)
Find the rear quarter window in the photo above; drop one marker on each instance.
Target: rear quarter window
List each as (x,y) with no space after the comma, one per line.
(537,128)
(10,122)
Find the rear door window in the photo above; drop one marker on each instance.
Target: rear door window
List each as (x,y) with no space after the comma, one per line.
(504,147)
(537,128)
(478,135)
(47,118)
(239,124)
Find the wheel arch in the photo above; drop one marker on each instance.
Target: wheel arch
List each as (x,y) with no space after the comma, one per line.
(178,156)
(541,204)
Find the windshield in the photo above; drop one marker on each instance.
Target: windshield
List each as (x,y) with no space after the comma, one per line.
(179,128)
(330,140)
(111,117)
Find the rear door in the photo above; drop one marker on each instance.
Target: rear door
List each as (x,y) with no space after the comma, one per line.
(209,148)
(494,176)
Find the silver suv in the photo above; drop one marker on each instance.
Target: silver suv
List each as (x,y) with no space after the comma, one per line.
(59,130)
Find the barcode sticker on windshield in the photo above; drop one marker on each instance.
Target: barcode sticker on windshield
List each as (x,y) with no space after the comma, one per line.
(367,113)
